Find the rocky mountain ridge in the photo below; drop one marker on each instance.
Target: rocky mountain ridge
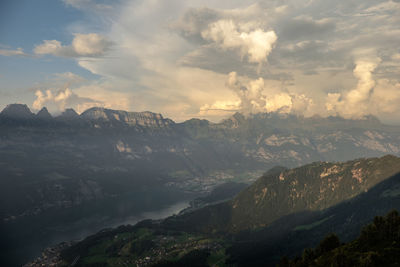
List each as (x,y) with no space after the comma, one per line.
(237,120)
(95,114)
(192,155)
(146,118)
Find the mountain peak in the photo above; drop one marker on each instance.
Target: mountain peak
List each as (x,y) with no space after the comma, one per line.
(69,113)
(44,114)
(95,113)
(18,111)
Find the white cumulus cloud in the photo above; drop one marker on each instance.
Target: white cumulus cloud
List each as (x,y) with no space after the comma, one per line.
(255,97)
(356,102)
(62,99)
(255,44)
(83,45)
(69,90)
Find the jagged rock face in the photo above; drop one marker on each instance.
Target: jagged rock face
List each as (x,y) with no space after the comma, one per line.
(44,114)
(146,119)
(309,188)
(17,111)
(96,114)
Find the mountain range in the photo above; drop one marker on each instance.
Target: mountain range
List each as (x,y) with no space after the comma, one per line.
(71,153)
(110,164)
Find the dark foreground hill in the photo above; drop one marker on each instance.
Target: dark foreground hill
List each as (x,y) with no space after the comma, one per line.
(378,245)
(205,236)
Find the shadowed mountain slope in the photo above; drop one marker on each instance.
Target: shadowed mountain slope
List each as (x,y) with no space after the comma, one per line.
(313,187)
(263,246)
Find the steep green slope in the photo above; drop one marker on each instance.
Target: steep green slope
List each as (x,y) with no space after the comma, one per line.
(312,187)
(290,234)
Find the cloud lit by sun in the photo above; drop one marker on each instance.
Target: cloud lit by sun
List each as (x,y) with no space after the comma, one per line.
(210,59)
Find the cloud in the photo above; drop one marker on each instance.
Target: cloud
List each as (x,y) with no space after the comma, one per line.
(201,58)
(396,56)
(83,45)
(363,72)
(182,93)
(62,99)
(220,108)
(305,52)
(386,97)
(254,97)
(305,27)
(60,81)
(69,90)
(69,77)
(281,102)
(91,44)
(256,44)
(290,103)
(245,31)
(251,98)
(50,47)
(194,21)
(356,102)
(103,95)
(10,52)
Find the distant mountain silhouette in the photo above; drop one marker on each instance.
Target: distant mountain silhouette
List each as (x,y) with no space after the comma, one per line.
(17,111)
(44,114)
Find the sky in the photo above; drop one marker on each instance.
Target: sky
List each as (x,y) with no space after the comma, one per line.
(203,59)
